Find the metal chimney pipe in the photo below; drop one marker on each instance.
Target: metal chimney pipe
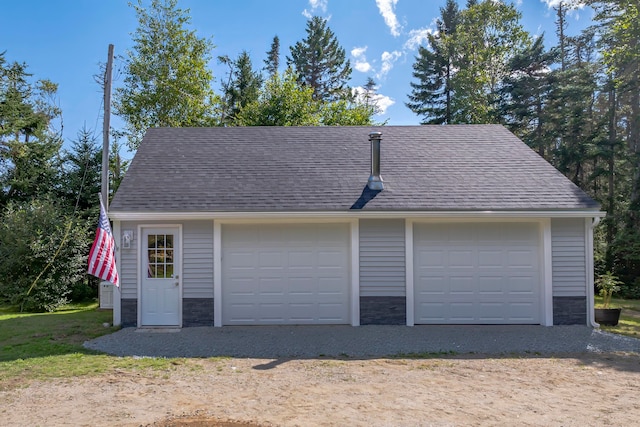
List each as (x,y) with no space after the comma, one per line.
(375,181)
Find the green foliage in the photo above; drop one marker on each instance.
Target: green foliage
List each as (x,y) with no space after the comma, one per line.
(525,93)
(607,285)
(242,87)
(488,36)
(26,109)
(272,63)
(167,82)
(460,72)
(346,113)
(431,94)
(319,62)
(284,102)
(82,174)
(42,255)
(31,169)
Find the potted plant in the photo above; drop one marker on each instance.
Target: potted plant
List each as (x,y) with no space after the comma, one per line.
(607,285)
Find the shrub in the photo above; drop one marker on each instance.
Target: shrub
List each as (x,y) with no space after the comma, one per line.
(607,284)
(31,235)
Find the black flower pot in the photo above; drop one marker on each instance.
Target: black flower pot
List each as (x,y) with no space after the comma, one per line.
(608,316)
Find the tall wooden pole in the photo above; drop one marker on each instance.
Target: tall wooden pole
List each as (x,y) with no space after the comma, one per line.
(105,129)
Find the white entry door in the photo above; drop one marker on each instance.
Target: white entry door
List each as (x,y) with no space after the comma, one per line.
(160,286)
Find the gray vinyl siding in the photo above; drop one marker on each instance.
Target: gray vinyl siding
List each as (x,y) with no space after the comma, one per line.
(382,257)
(197,256)
(128,262)
(197,259)
(569,274)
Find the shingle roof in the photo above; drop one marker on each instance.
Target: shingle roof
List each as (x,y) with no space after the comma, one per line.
(271,169)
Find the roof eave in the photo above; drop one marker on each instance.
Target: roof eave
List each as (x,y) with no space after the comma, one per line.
(355,214)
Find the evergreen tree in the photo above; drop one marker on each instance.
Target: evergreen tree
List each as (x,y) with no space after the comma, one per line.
(167,82)
(460,72)
(82,177)
(241,88)
(29,148)
(431,95)
(619,29)
(273,57)
(368,96)
(319,62)
(572,115)
(525,95)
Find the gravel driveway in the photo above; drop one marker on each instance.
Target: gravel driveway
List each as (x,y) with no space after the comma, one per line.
(358,342)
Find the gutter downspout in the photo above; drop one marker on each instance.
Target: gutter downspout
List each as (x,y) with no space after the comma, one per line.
(590,278)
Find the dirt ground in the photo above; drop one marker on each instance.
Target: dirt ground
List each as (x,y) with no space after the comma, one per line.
(578,390)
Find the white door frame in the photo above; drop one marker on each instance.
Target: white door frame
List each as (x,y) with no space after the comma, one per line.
(546,285)
(177,268)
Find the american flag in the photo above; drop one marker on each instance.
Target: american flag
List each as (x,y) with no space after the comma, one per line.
(102,260)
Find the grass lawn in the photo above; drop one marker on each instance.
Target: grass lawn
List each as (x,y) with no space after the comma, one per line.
(629,317)
(35,346)
(49,345)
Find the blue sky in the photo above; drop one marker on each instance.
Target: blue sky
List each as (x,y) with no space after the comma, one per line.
(65,40)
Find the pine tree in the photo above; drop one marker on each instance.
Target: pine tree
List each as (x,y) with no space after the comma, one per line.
(273,57)
(241,88)
(319,62)
(431,95)
(82,178)
(619,29)
(524,96)
(29,147)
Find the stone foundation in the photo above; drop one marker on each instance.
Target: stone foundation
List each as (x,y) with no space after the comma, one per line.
(197,312)
(569,310)
(383,311)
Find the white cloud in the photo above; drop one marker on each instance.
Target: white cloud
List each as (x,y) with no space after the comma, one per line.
(571,4)
(386,10)
(319,4)
(315,5)
(417,38)
(382,102)
(388,58)
(360,60)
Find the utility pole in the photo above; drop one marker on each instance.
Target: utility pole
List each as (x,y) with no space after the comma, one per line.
(105,129)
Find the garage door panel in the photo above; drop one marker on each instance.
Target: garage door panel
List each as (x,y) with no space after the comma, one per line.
(301,259)
(270,258)
(299,274)
(518,258)
(518,283)
(461,285)
(490,258)
(490,285)
(430,259)
(460,258)
(481,273)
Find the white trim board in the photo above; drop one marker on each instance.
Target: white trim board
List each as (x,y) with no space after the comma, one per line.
(348,215)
